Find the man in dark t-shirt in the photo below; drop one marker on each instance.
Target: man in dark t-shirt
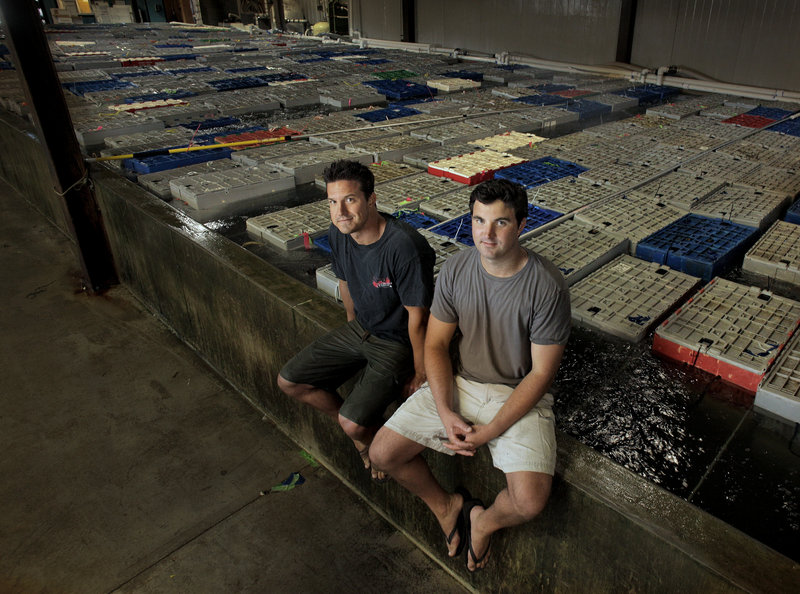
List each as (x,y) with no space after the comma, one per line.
(385,272)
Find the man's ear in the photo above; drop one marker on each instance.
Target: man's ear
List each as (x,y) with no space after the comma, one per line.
(522,226)
(373,199)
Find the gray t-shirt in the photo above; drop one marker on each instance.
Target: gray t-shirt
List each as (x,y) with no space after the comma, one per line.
(499,318)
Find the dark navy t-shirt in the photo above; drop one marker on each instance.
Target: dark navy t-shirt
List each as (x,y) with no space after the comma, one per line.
(385,276)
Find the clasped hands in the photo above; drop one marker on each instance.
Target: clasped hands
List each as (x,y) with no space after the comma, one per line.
(463,437)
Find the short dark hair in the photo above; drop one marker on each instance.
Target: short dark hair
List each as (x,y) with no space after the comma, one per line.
(344,170)
(508,192)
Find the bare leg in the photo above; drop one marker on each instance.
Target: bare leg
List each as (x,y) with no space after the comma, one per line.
(523,500)
(322,400)
(400,458)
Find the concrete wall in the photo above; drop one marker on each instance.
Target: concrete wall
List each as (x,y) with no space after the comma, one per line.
(604,530)
(738,41)
(381,19)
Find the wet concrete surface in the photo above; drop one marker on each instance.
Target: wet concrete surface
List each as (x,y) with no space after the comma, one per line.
(130,466)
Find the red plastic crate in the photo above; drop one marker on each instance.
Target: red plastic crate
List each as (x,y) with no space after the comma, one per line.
(570,93)
(749,121)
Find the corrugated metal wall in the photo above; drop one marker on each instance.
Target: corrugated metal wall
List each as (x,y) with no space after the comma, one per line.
(740,41)
(583,31)
(753,42)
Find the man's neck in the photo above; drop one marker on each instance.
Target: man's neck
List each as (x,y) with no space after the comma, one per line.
(508,266)
(372,231)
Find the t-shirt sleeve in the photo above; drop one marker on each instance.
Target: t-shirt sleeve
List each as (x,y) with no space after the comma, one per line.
(443,308)
(552,320)
(414,282)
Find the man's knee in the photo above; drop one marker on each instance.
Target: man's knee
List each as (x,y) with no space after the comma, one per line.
(530,497)
(390,450)
(354,430)
(292,389)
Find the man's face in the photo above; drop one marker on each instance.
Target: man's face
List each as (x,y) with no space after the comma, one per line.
(349,206)
(495,230)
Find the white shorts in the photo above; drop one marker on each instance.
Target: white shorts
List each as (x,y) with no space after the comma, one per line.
(528,445)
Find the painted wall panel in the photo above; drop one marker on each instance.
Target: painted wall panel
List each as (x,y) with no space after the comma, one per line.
(737,41)
(380,19)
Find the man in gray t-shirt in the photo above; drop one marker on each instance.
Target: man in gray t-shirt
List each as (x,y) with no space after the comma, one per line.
(512,309)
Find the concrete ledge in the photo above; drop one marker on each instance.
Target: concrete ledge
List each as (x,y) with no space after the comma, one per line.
(605,529)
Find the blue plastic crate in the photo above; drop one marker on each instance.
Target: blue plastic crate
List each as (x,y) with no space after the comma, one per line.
(245,69)
(282,77)
(164,162)
(323,242)
(400,89)
(309,60)
(94,86)
(123,75)
(465,74)
(245,82)
(172,45)
(790,127)
(373,62)
(772,113)
(176,57)
(415,101)
(159,96)
(239,50)
(540,171)
(390,113)
(217,123)
(793,214)
(415,218)
(190,70)
(544,99)
(6,65)
(698,246)
(587,109)
(648,93)
(460,228)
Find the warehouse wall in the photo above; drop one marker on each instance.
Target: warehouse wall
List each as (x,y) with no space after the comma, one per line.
(739,41)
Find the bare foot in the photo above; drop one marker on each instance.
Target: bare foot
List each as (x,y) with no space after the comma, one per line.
(453,526)
(363,451)
(480,543)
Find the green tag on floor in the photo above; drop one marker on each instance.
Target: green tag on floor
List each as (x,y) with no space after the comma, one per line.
(293,480)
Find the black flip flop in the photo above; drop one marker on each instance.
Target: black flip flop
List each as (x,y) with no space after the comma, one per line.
(460,526)
(468,505)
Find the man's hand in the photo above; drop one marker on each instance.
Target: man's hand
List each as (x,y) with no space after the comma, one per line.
(414,383)
(470,441)
(458,431)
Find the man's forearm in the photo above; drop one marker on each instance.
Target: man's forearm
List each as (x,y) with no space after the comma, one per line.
(525,396)
(440,377)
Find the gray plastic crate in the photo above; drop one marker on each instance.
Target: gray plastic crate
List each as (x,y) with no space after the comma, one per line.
(617,102)
(618,175)
(779,391)
(390,148)
(294,96)
(408,192)
(158,182)
(743,205)
(383,171)
(681,109)
(352,137)
(752,151)
(305,166)
(720,166)
(452,133)
(92,131)
(723,112)
(442,246)
(576,249)
(731,330)
(287,229)
(350,97)
(628,296)
(681,190)
(269,152)
(773,179)
(243,101)
(567,194)
(435,152)
(631,217)
(777,254)
(450,205)
(228,189)
(142,141)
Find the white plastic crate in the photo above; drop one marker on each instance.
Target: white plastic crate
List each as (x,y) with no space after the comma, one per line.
(721,166)
(777,254)
(628,296)
(619,175)
(435,152)
(305,166)
(407,192)
(630,217)
(473,167)
(576,249)
(327,281)
(269,152)
(158,182)
(450,205)
(351,138)
(779,391)
(507,141)
(681,190)
(730,330)
(452,85)
(452,133)
(255,186)
(567,194)
(773,179)
(743,205)
(289,229)
(392,148)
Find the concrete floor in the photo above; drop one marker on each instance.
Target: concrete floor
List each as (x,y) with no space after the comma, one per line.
(129,466)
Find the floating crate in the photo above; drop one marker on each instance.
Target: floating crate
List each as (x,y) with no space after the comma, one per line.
(777,254)
(450,205)
(415,218)
(630,217)
(460,228)
(576,249)
(730,330)
(230,188)
(744,149)
(273,134)
(540,171)
(773,179)
(648,93)
(473,168)
(293,227)
(616,102)
(507,141)
(400,89)
(542,100)
(386,114)
(773,113)
(619,175)
(749,121)
(158,183)
(698,245)
(442,247)
(395,74)
(682,109)
(790,127)
(793,214)
(305,166)
(350,97)
(353,138)
(567,194)
(588,109)
(743,206)
(720,166)
(174,160)
(628,297)
(271,152)
(393,147)
(723,112)
(453,133)
(452,85)
(408,192)
(681,190)
(327,281)
(779,391)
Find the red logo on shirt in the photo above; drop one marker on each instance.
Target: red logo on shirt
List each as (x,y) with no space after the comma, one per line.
(382,283)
